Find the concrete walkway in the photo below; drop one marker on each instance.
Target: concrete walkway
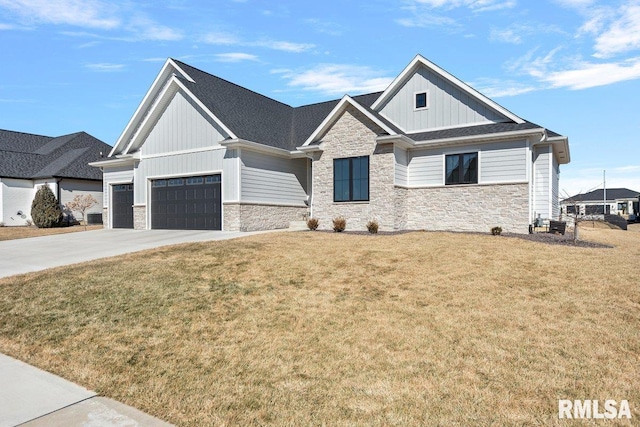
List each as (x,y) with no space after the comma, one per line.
(35,398)
(39,253)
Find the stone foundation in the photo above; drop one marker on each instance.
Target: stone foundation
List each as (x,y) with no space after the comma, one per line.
(139,217)
(105,218)
(254,217)
(469,208)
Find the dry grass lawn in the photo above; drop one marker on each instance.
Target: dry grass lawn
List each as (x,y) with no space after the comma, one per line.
(12,233)
(320,328)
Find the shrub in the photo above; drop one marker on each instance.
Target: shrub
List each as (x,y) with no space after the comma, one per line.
(372,226)
(339,224)
(45,210)
(496,231)
(312,224)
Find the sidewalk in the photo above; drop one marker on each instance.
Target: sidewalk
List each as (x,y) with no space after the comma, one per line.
(31,397)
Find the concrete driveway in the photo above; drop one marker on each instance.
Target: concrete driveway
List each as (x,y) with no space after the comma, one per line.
(39,253)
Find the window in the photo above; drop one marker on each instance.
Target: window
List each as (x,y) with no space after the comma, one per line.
(351,179)
(174,182)
(196,180)
(462,169)
(422,100)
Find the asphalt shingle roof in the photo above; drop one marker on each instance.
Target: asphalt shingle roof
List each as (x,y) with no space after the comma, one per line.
(258,118)
(598,195)
(28,156)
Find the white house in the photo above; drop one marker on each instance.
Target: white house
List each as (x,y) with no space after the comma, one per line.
(429,152)
(618,201)
(29,161)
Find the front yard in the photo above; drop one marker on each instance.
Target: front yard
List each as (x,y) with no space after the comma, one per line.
(11,233)
(320,328)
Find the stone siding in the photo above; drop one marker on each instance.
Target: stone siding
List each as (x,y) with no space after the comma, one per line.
(105,218)
(139,217)
(254,216)
(469,208)
(354,135)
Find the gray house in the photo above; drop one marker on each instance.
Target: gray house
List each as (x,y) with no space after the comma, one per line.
(429,152)
(618,201)
(29,161)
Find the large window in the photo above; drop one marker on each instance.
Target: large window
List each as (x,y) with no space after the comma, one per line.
(462,169)
(351,179)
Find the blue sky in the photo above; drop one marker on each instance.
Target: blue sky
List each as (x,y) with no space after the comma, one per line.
(572,66)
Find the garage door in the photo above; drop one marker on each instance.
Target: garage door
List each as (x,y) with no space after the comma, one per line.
(122,206)
(192,203)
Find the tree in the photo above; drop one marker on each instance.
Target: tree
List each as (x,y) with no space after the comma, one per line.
(45,210)
(81,204)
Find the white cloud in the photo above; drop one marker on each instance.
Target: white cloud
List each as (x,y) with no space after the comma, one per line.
(337,79)
(147,29)
(226,39)
(575,181)
(235,57)
(623,35)
(496,88)
(425,13)
(83,13)
(506,35)
(587,75)
(474,5)
(105,67)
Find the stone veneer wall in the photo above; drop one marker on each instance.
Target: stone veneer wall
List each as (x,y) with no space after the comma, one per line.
(105,218)
(139,217)
(255,216)
(352,135)
(469,208)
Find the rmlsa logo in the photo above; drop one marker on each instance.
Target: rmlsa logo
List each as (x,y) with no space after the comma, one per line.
(573,409)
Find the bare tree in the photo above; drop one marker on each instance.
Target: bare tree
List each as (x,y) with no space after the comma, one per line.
(81,204)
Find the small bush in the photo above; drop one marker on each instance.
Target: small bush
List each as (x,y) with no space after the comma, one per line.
(339,224)
(45,210)
(312,224)
(372,226)
(496,231)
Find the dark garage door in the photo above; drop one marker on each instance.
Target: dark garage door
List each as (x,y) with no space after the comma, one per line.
(193,203)
(122,215)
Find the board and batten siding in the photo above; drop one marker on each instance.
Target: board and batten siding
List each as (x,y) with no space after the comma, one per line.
(501,162)
(186,165)
(182,126)
(401,166)
(114,175)
(273,180)
(449,106)
(70,188)
(542,181)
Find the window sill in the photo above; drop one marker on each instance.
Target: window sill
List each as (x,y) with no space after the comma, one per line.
(360,202)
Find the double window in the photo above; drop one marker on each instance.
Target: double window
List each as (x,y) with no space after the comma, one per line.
(461,169)
(351,179)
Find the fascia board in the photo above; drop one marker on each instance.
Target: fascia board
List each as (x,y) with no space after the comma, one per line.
(399,140)
(126,161)
(331,117)
(172,87)
(144,105)
(420,60)
(478,138)
(256,146)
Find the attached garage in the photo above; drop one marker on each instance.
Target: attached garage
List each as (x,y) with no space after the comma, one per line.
(189,203)
(122,206)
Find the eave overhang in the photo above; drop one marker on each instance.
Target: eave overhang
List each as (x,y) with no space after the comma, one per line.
(267,149)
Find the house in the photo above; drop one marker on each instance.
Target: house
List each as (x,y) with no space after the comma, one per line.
(429,152)
(29,161)
(618,201)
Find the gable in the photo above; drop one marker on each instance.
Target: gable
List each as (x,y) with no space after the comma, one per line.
(447,104)
(182,125)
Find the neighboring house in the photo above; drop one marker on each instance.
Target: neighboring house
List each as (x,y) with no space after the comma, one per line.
(429,152)
(29,161)
(619,201)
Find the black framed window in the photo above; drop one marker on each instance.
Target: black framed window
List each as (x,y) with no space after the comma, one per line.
(421,100)
(351,179)
(461,169)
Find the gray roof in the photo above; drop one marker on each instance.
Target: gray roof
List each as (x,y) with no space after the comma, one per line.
(258,118)
(28,156)
(598,195)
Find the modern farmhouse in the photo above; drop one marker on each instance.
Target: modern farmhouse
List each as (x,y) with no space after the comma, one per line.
(429,152)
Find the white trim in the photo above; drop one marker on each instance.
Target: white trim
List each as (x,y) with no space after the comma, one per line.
(460,126)
(185,175)
(328,121)
(419,60)
(124,161)
(285,205)
(484,184)
(476,138)
(427,101)
(256,146)
(181,152)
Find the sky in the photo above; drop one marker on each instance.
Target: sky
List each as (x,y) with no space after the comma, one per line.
(572,66)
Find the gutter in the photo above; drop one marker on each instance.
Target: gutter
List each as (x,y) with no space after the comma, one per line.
(267,149)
